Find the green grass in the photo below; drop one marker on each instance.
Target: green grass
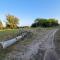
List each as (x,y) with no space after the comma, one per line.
(8,34)
(4,35)
(4,52)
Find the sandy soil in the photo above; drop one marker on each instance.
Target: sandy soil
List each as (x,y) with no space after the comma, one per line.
(39,47)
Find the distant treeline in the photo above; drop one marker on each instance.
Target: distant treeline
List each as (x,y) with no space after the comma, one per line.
(41,22)
(13,21)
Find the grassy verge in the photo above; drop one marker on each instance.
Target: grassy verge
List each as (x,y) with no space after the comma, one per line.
(25,41)
(8,34)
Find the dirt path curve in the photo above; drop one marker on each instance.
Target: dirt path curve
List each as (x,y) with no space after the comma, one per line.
(50,53)
(41,49)
(44,47)
(45,44)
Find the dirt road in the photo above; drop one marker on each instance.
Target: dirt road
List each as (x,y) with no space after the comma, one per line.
(42,48)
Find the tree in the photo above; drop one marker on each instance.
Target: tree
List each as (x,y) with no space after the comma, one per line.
(42,22)
(52,22)
(1,25)
(36,22)
(12,21)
